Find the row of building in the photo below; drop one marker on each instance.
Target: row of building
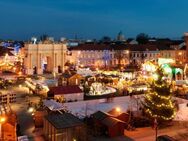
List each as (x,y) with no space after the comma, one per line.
(113,55)
(54,57)
(48,56)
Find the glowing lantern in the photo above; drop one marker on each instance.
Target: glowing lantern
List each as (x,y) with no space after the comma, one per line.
(149,67)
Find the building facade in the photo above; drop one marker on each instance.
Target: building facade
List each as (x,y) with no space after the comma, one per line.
(111,55)
(98,55)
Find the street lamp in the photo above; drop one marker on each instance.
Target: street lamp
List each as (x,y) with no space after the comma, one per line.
(31,110)
(118,109)
(2,120)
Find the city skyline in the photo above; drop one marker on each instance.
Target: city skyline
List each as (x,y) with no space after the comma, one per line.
(89,20)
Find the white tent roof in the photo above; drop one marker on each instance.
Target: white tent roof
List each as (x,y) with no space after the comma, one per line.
(53,105)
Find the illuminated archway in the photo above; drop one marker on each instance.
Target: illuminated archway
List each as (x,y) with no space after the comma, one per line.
(46,57)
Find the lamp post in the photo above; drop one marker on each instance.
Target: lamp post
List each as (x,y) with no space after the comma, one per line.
(130,116)
(156,128)
(2,120)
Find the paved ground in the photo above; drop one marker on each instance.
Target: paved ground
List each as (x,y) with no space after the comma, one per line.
(122,138)
(178,131)
(21,108)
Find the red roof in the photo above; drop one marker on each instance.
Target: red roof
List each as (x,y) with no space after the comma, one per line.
(139,47)
(65,90)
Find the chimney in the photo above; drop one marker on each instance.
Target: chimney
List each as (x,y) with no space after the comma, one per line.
(186,43)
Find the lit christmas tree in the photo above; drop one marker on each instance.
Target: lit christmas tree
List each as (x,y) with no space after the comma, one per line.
(158,102)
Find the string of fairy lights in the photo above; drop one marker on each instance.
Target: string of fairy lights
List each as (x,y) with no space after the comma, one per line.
(167,105)
(162,117)
(165,102)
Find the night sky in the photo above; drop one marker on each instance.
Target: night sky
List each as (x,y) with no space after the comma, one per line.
(22,19)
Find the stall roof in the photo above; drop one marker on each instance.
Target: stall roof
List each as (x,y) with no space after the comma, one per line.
(110,121)
(99,115)
(53,105)
(61,121)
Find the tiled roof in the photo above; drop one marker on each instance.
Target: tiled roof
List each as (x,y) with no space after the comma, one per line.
(106,118)
(145,47)
(100,115)
(131,47)
(61,121)
(73,89)
(110,121)
(92,47)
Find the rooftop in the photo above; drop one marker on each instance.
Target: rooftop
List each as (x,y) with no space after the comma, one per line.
(110,121)
(65,89)
(62,121)
(132,47)
(100,115)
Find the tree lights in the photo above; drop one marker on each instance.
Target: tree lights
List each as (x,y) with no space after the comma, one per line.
(158,103)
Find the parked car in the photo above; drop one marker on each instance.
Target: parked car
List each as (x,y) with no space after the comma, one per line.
(165,138)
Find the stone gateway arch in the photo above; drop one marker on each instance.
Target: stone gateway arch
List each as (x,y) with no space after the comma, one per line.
(44,57)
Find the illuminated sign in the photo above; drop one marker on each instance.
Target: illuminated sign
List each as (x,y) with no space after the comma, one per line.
(165,61)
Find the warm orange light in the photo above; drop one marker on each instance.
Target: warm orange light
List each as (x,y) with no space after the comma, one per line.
(31,110)
(180,53)
(20,73)
(118,109)
(2,119)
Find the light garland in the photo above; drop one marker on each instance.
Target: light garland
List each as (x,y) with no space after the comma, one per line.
(169,105)
(162,97)
(160,86)
(157,116)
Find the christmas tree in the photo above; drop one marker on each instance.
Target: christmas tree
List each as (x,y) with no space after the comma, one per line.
(158,101)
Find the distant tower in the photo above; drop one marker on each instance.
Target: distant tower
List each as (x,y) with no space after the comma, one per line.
(120,36)
(34,40)
(186,43)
